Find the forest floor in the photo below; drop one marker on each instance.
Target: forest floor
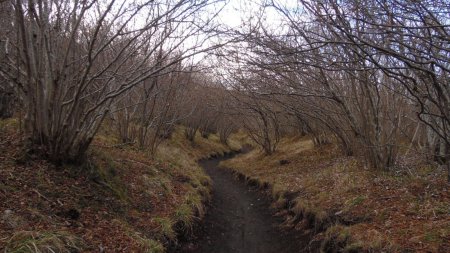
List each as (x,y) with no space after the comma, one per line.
(240,219)
(124,200)
(351,208)
(120,200)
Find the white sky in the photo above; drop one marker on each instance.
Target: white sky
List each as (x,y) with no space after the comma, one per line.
(238,11)
(238,14)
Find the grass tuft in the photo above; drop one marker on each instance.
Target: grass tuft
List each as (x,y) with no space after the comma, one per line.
(336,239)
(165,228)
(184,216)
(43,241)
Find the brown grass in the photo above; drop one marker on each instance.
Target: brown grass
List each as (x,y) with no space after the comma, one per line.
(121,200)
(400,210)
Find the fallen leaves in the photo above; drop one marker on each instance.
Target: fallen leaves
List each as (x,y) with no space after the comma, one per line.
(109,205)
(403,211)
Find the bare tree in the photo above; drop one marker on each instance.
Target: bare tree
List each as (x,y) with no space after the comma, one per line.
(413,50)
(354,71)
(202,112)
(262,118)
(7,92)
(74,59)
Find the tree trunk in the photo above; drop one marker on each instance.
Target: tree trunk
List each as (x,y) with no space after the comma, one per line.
(6,104)
(448,171)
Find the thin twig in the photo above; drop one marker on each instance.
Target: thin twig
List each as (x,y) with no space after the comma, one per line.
(40,195)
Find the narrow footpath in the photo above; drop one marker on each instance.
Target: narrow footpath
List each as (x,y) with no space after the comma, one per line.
(240,220)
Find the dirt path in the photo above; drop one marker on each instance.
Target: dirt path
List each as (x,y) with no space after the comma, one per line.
(240,220)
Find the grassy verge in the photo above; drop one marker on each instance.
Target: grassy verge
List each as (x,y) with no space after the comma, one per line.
(121,200)
(348,207)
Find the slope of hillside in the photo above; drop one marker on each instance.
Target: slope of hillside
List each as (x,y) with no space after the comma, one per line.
(351,208)
(121,200)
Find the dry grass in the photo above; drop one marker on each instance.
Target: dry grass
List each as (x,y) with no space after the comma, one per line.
(201,147)
(43,242)
(121,200)
(380,211)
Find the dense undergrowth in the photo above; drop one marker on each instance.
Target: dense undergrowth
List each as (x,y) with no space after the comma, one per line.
(349,208)
(119,200)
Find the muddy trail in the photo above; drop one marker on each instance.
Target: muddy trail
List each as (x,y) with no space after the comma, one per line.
(240,220)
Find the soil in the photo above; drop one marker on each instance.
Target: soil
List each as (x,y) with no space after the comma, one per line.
(239,219)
